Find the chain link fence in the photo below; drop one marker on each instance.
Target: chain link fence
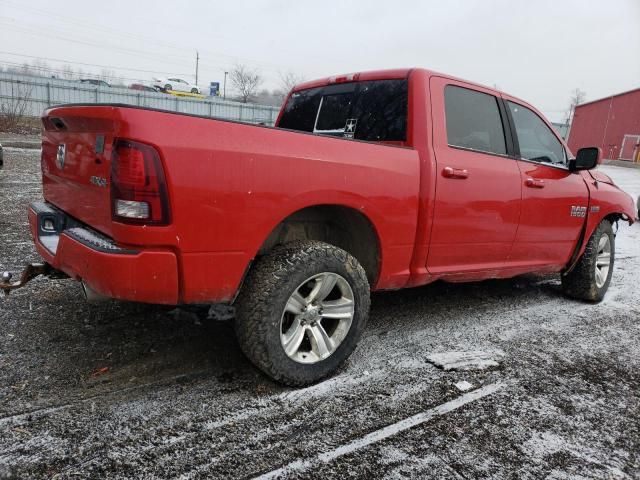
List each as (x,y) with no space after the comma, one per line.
(30,95)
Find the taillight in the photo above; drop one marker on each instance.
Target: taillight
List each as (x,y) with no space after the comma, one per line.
(138,187)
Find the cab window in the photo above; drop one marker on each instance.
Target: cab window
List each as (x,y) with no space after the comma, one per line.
(374,111)
(473,120)
(537,141)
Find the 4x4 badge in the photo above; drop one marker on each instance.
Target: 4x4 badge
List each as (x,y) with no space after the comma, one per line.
(62,151)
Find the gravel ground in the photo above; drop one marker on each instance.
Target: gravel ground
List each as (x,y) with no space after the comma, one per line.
(132,391)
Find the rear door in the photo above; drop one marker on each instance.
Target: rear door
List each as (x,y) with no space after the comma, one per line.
(554,200)
(478,187)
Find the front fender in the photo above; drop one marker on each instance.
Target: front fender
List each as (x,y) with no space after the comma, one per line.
(606,201)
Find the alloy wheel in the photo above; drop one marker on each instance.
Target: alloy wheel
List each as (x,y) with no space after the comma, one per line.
(317,318)
(603,260)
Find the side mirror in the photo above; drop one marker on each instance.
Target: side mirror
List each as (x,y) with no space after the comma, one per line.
(586,159)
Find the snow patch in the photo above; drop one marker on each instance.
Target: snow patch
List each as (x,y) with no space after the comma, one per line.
(463,386)
(469,360)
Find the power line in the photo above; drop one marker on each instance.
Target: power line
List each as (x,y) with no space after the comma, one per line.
(92,64)
(85,24)
(127,51)
(45,70)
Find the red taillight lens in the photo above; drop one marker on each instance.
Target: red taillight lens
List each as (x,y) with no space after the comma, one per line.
(138,187)
(131,169)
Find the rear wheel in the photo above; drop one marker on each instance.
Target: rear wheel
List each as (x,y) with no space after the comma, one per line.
(194,90)
(302,311)
(168,86)
(590,278)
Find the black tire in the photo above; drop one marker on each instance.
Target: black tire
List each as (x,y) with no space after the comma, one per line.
(167,86)
(194,90)
(261,304)
(581,282)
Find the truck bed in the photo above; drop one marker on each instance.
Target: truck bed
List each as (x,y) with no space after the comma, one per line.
(229,185)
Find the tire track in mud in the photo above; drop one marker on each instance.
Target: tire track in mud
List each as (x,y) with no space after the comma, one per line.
(358,443)
(30,415)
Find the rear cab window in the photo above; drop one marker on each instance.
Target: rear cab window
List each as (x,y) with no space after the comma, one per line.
(374,111)
(473,121)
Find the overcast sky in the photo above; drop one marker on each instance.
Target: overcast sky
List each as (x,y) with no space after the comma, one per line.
(537,50)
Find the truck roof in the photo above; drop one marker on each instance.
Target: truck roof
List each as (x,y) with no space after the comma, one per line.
(356,77)
(390,74)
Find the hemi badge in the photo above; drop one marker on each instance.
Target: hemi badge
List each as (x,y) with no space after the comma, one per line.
(595,209)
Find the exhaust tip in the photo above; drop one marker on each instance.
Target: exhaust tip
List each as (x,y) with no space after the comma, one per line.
(91,296)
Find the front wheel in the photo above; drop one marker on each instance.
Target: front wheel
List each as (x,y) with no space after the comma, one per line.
(302,311)
(590,278)
(194,90)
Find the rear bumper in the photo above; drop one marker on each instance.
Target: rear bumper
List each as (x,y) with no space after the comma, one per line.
(139,275)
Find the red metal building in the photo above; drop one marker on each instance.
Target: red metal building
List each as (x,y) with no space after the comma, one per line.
(611,123)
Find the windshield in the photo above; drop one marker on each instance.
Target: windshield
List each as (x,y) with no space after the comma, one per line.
(372,111)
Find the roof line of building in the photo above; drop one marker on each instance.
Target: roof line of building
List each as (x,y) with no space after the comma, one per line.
(608,97)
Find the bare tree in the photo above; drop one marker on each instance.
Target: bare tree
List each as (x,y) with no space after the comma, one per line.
(577,97)
(41,67)
(13,109)
(25,69)
(67,72)
(289,80)
(246,81)
(107,75)
(37,67)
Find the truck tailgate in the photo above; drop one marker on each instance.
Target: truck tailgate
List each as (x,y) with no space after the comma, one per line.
(76,152)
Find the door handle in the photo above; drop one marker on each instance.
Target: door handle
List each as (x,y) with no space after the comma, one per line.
(450,172)
(534,183)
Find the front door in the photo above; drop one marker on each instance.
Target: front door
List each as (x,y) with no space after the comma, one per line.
(554,200)
(478,188)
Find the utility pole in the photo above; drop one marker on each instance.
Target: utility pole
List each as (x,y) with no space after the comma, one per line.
(224,88)
(197,61)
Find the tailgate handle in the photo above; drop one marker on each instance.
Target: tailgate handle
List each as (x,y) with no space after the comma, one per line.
(58,123)
(534,183)
(450,172)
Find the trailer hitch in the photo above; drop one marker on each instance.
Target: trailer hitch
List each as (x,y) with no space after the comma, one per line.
(30,272)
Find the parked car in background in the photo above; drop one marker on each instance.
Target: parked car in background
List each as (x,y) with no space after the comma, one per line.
(95,81)
(371,181)
(142,87)
(175,84)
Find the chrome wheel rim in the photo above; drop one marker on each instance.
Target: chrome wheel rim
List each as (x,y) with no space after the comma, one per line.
(317,318)
(603,260)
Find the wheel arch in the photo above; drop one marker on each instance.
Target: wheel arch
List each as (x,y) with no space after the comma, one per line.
(590,226)
(339,225)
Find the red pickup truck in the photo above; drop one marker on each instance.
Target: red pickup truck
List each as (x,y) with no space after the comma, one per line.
(371,181)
